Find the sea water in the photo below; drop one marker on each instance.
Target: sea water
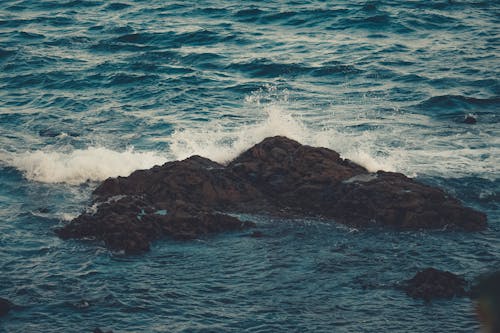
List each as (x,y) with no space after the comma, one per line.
(94,89)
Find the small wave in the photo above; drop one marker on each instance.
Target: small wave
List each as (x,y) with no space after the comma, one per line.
(15,23)
(117,6)
(52,79)
(194,58)
(377,21)
(267,68)
(79,166)
(54,5)
(4,53)
(57,20)
(434,21)
(163,55)
(127,78)
(113,46)
(30,35)
(458,102)
(71,41)
(281,16)
(151,41)
(201,37)
(138,38)
(252,12)
(249,15)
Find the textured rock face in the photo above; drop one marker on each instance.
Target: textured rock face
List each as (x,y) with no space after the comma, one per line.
(432,283)
(184,199)
(130,224)
(293,176)
(392,199)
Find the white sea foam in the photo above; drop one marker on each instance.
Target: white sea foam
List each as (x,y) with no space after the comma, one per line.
(409,143)
(80,165)
(222,142)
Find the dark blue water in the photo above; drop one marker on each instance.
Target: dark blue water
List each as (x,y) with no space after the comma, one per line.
(92,89)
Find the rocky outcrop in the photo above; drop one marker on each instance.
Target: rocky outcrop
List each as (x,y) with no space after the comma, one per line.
(5,306)
(189,198)
(316,181)
(130,223)
(432,283)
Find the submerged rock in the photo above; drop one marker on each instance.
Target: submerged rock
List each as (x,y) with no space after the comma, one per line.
(432,283)
(470,119)
(5,306)
(184,199)
(257,234)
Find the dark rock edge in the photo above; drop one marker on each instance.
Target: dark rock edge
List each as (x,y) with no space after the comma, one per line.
(433,283)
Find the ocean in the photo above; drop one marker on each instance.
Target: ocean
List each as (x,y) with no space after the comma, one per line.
(93,89)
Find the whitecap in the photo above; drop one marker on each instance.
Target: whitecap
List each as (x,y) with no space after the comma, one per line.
(80,165)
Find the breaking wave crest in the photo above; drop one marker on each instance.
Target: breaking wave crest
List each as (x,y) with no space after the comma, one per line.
(222,143)
(79,166)
(399,142)
(406,143)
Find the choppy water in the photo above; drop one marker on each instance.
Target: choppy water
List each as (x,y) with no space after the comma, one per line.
(92,89)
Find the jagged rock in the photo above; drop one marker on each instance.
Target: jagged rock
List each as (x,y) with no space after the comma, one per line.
(433,283)
(130,224)
(294,176)
(5,306)
(184,199)
(392,199)
(197,181)
(316,181)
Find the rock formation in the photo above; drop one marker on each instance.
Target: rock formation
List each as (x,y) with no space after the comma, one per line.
(432,283)
(190,198)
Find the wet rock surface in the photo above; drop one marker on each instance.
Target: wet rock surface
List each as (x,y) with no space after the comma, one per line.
(432,283)
(5,306)
(190,198)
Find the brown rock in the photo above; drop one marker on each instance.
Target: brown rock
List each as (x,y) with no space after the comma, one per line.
(432,283)
(132,227)
(279,176)
(392,199)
